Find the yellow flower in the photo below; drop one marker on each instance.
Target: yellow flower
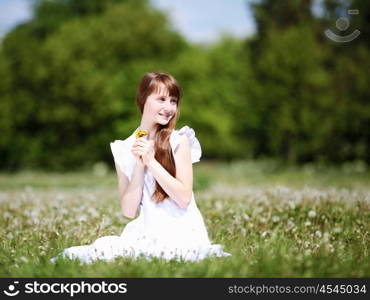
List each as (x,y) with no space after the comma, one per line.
(213,213)
(140,133)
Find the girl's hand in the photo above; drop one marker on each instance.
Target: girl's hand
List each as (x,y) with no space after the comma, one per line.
(138,159)
(143,150)
(137,156)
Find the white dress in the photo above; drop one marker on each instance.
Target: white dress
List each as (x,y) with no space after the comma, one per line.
(161,230)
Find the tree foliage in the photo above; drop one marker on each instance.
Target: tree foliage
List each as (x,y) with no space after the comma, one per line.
(69,78)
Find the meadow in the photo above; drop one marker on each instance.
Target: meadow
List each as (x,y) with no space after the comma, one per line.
(276,221)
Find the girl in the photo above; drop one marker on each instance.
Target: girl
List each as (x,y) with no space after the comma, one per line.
(155,176)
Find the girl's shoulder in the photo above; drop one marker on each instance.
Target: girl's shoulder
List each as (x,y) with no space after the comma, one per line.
(196,150)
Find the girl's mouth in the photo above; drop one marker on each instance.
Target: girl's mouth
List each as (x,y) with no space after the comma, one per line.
(165,116)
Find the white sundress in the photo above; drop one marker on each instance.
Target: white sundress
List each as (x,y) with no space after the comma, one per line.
(161,230)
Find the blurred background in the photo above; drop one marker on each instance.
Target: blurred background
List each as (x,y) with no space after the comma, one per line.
(261,79)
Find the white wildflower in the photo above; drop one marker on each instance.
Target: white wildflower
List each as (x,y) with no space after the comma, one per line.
(275,219)
(82,218)
(263,220)
(23,259)
(311,214)
(246,217)
(265,233)
(290,223)
(337,230)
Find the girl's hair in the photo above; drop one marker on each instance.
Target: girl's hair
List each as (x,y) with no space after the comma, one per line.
(150,83)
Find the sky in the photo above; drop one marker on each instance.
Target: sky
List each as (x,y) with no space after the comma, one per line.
(200,21)
(204,20)
(13,12)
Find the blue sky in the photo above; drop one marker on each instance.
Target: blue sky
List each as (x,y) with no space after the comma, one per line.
(204,20)
(200,21)
(13,12)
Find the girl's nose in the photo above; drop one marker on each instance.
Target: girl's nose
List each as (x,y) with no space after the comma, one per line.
(168,107)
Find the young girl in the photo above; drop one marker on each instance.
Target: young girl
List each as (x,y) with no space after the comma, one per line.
(155,176)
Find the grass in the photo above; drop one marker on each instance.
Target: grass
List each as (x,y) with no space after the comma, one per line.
(276,221)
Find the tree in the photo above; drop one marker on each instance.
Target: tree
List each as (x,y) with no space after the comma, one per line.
(73,84)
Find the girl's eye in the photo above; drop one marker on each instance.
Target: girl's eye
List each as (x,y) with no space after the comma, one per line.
(172,100)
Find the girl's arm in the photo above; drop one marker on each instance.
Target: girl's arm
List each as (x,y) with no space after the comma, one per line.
(130,192)
(180,188)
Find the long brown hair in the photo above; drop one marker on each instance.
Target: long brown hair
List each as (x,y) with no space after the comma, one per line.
(151,83)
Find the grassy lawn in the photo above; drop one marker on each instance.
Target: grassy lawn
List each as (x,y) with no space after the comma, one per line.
(276,221)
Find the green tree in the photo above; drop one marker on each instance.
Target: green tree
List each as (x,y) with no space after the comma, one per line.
(293,101)
(349,67)
(216,97)
(72,90)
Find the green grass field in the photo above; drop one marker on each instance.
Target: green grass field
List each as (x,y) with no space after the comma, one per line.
(311,221)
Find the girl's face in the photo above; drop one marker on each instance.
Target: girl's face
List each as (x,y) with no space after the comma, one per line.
(160,107)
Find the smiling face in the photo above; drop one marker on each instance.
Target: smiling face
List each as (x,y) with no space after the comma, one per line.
(160,107)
